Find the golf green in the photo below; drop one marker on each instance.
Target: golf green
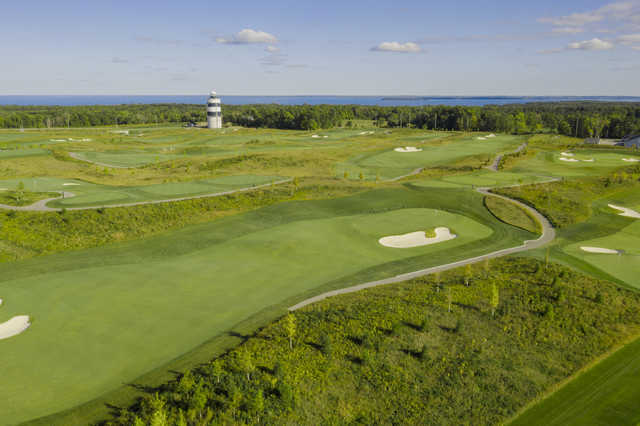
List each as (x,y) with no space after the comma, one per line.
(390,163)
(625,265)
(103,317)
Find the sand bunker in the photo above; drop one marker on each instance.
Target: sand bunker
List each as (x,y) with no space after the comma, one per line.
(481,139)
(70,184)
(417,239)
(366,133)
(567,154)
(408,149)
(626,212)
(58,140)
(631,160)
(590,160)
(599,250)
(491,135)
(14,326)
(315,136)
(571,160)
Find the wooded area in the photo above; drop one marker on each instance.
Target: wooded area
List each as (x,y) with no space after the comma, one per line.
(579,119)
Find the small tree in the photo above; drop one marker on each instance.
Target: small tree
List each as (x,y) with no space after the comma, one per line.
(546,259)
(449,297)
(327,347)
(361,176)
(216,369)
(467,275)
(290,327)
(495,298)
(437,278)
(346,175)
(257,403)
(295,184)
(245,363)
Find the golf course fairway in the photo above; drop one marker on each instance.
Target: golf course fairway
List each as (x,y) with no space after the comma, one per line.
(103,317)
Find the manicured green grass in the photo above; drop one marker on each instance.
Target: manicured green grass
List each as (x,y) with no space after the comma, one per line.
(388,163)
(24,198)
(549,163)
(607,394)
(87,194)
(482,178)
(117,159)
(512,214)
(103,317)
(19,153)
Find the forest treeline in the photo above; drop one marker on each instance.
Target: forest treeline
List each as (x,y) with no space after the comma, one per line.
(579,119)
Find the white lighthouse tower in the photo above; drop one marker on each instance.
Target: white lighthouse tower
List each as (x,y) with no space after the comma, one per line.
(214,112)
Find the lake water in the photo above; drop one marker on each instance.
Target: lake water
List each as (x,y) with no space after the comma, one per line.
(300,100)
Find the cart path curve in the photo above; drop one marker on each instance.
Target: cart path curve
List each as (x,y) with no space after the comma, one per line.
(40,206)
(548,235)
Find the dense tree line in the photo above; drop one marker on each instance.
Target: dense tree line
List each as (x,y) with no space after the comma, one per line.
(580,119)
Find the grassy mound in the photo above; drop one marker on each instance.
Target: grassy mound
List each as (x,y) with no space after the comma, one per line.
(410,353)
(512,214)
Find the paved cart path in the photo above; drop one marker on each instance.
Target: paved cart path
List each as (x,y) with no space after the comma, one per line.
(41,206)
(548,235)
(496,163)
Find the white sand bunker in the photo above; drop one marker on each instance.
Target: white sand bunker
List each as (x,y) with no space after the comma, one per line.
(58,140)
(631,160)
(570,160)
(491,135)
(315,136)
(408,149)
(626,212)
(567,154)
(590,160)
(14,326)
(599,250)
(417,239)
(366,133)
(481,138)
(70,184)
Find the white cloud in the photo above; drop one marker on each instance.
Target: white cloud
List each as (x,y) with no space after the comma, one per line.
(593,44)
(118,60)
(272,49)
(394,46)
(573,20)
(629,39)
(249,36)
(612,12)
(636,47)
(568,30)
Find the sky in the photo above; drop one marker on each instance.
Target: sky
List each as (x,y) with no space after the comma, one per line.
(353,47)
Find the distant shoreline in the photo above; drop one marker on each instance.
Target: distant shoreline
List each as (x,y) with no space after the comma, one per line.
(83,100)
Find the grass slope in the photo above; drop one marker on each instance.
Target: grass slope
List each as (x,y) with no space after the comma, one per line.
(396,355)
(104,316)
(606,394)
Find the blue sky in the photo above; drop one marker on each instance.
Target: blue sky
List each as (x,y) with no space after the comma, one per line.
(284,47)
